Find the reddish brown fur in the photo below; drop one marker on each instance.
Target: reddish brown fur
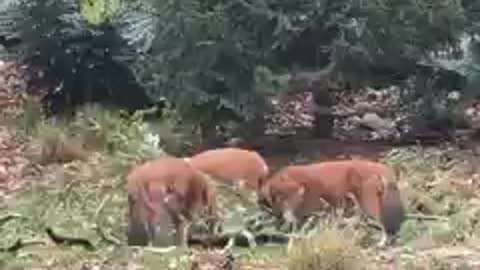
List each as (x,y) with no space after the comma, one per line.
(164,191)
(389,210)
(232,165)
(333,181)
(281,191)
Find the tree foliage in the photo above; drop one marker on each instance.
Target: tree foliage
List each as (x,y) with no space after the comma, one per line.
(99,12)
(84,62)
(204,56)
(208,50)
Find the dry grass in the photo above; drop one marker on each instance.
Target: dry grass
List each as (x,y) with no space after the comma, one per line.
(331,248)
(79,195)
(83,195)
(56,145)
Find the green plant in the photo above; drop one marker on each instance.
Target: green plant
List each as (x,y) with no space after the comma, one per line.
(98,12)
(83,58)
(95,127)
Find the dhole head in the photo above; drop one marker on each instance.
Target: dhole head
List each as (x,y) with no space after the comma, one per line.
(278,195)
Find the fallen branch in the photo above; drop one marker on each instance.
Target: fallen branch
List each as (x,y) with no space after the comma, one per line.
(259,221)
(240,239)
(6,218)
(19,244)
(64,240)
(427,217)
(160,250)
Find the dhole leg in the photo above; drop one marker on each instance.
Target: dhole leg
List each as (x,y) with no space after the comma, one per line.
(250,238)
(332,211)
(216,228)
(183,230)
(291,220)
(137,231)
(162,234)
(383,241)
(351,205)
(279,222)
(241,184)
(355,212)
(339,209)
(137,234)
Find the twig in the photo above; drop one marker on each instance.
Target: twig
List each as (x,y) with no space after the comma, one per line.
(64,240)
(100,207)
(160,250)
(21,244)
(427,217)
(6,218)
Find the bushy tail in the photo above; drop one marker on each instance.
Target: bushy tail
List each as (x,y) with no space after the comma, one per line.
(137,232)
(393,212)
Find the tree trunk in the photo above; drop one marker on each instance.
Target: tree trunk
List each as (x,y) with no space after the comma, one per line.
(324,120)
(319,83)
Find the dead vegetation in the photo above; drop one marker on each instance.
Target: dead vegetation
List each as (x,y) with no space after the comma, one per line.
(85,199)
(69,176)
(330,248)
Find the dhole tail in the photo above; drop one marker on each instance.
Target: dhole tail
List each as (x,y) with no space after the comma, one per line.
(137,232)
(393,212)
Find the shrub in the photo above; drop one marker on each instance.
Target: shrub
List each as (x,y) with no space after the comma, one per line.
(112,132)
(55,144)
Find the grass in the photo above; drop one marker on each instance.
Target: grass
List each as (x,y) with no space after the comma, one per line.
(332,248)
(79,194)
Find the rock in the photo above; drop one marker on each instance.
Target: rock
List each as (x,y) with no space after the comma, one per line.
(375,122)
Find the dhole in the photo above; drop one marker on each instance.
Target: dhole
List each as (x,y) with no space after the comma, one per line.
(167,192)
(298,190)
(244,168)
